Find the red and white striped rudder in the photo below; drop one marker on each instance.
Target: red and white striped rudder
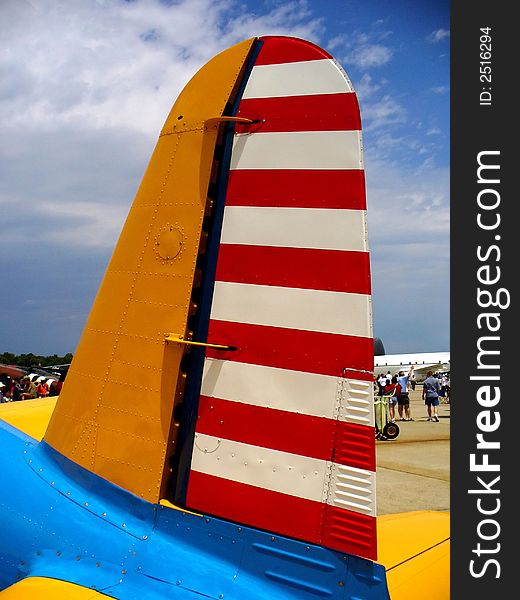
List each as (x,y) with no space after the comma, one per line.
(285,435)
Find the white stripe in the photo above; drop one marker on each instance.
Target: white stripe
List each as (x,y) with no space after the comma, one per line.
(300,476)
(297,79)
(266,468)
(269,387)
(312,394)
(319,228)
(298,150)
(311,310)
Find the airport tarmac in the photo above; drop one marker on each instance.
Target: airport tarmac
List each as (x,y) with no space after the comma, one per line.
(413,470)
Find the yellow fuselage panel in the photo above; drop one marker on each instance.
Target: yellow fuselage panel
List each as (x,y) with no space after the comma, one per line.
(414,548)
(114,413)
(45,588)
(29,416)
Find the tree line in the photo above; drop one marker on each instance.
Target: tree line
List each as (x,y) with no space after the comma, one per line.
(34,360)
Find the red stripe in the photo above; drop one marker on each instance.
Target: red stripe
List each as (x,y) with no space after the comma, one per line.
(317,437)
(317,112)
(276,49)
(295,349)
(294,517)
(255,506)
(266,427)
(330,270)
(297,188)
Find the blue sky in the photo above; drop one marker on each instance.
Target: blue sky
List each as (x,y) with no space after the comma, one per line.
(86,85)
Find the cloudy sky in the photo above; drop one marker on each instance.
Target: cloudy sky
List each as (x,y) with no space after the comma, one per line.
(86,85)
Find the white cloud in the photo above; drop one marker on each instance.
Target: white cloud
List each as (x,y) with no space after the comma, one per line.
(367,87)
(438,35)
(85,90)
(383,112)
(120,63)
(409,224)
(417,199)
(369,56)
(363,50)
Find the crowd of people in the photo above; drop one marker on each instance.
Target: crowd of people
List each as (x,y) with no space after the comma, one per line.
(25,388)
(396,388)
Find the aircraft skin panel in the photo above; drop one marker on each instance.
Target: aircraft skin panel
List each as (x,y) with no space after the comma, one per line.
(302,228)
(290,267)
(297,188)
(295,349)
(293,392)
(300,78)
(311,436)
(277,50)
(304,477)
(298,517)
(272,463)
(114,414)
(294,308)
(298,150)
(260,467)
(322,112)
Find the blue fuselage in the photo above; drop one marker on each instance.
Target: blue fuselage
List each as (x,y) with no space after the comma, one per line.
(61,521)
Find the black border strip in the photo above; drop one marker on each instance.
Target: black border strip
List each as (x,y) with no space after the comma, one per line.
(479,125)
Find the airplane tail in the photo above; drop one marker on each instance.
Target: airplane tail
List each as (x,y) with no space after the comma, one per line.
(227,361)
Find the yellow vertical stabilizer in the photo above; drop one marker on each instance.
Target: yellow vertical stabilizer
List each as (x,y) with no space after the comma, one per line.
(114,415)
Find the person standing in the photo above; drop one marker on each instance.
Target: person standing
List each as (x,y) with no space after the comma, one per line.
(392,391)
(381,382)
(430,394)
(403,401)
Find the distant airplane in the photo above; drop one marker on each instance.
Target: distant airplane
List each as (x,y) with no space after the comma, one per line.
(214,437)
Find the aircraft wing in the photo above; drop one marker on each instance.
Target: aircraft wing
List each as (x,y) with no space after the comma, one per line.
(434,366)
(46,588)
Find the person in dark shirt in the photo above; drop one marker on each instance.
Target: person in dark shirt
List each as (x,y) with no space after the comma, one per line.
(392,389)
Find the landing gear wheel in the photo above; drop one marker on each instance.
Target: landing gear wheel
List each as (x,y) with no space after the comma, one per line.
(391,431)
